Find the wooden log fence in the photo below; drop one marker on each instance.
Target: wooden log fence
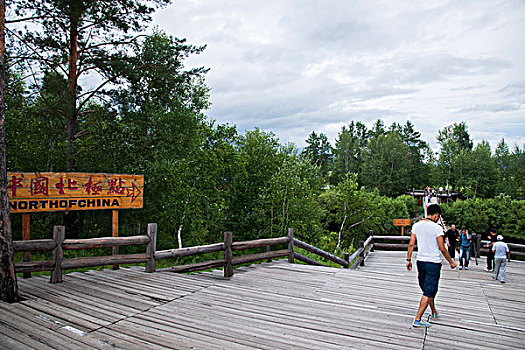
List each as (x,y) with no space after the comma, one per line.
(319,252)
(398,243)
(58,244)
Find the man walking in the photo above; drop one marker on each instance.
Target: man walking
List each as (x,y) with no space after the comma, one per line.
(429,237)
(501,253)
(451,237)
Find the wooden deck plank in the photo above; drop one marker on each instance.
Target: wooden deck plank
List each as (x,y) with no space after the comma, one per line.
(267,306)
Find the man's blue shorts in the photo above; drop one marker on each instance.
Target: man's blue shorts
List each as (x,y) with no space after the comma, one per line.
(428,275)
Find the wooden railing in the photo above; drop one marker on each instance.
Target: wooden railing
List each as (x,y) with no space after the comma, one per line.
(228,246)
(512,247)
(401,243)
(58,244)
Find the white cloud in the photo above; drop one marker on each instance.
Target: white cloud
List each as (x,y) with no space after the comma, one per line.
(300,65)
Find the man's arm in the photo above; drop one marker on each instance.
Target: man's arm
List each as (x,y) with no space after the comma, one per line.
(411,245)
(444,251)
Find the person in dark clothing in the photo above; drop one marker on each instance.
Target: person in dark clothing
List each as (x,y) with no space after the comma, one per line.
(451,238)
(490,255)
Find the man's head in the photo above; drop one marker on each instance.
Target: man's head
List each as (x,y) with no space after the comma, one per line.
(492,231)
(500,238)
(453,227)
(433,212)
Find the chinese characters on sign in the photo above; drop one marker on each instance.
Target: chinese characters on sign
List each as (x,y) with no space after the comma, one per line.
(34,192)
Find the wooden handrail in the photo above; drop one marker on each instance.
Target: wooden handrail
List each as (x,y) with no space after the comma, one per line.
(177,253)
(259,243)
(58,244)
(393,238)
(104,242)
(308,260)
(34,245)
(238,260)
(512,246)
(320,252)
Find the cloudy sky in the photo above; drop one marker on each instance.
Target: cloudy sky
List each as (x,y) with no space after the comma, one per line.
(295,66)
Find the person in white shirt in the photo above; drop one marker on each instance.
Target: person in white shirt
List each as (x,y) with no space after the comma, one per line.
(501,254)
(429,237)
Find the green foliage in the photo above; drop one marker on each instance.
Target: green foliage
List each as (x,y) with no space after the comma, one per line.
(385,164)
(290,200)
(479,215)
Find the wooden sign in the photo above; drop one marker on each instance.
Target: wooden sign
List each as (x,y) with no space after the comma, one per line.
(41,192)
(401,222)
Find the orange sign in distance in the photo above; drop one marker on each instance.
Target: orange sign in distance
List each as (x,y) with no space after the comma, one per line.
(401,222)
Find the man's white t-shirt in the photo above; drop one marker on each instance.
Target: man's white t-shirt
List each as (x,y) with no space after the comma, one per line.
(427,247)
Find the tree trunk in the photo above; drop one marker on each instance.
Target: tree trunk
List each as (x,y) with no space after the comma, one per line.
(179,236)
(340,232)
(71,218)
(8,283)
(71,96)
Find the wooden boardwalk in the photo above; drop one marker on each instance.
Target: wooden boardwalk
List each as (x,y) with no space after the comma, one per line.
(267,306)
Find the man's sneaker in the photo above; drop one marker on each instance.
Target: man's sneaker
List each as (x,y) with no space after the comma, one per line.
(466,268)
(461,267)
(434,316)
(423,324)
(487,270)
(502,281)
(493,277)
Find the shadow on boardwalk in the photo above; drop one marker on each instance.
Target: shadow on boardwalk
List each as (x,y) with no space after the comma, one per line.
(272,306)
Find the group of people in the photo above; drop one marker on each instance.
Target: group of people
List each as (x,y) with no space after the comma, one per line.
(433,243)
(464,238)
(497,255)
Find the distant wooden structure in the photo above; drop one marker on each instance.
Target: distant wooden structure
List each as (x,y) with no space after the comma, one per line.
(442,196)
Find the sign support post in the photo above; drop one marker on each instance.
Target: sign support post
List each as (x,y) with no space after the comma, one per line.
(114,225)
(26,257)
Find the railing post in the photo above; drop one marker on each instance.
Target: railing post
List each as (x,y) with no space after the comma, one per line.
(362,255)
(347,259)
(151,247)
(58,253)
(228,254)
(290,246)
(269,249)
(371,234)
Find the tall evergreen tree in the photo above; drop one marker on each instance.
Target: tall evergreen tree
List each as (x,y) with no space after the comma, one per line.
(453,139)
(77,38)
(319,151)
(349,149)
